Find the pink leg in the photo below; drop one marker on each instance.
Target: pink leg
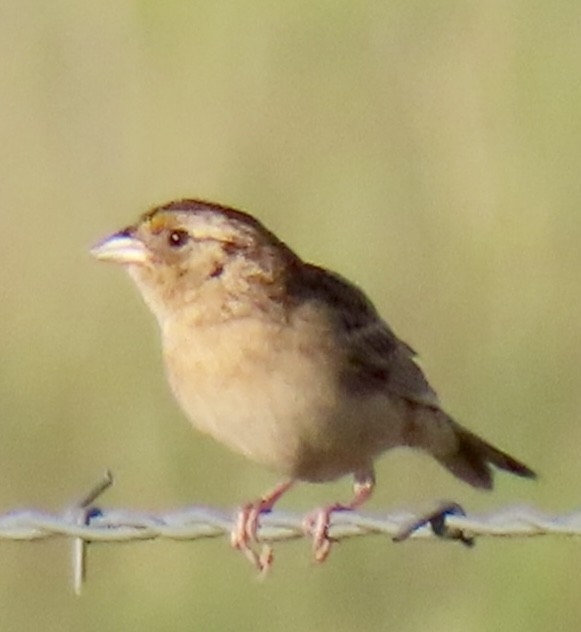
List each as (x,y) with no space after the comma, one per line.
(245,533)
(318,522)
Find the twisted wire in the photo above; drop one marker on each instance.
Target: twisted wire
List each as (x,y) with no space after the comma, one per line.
(84,523)
(193,523)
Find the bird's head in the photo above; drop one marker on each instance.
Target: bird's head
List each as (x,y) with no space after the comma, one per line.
(195,253)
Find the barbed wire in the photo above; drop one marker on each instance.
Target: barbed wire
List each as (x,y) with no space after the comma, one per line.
(86,524)
(194,523)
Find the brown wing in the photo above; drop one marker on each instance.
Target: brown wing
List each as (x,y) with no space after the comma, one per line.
(377,358)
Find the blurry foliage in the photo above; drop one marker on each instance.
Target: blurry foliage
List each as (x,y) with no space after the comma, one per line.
(430,151)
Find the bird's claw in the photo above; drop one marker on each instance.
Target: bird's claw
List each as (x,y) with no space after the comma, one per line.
(317,525)
(244,536)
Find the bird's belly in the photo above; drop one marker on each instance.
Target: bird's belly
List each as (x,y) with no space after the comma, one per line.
(282,406)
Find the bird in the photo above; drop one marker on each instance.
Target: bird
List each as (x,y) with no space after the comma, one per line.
(285,362)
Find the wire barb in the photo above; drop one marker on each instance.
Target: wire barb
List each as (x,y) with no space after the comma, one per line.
(82,513)
(437,519)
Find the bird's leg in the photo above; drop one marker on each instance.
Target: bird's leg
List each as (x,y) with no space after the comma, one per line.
(245,532)
(318,522)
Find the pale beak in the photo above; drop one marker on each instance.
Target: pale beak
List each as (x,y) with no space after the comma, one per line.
(121,248)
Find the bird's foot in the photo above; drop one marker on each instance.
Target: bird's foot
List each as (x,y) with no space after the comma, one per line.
(318,522)
(244,536)
(317,525)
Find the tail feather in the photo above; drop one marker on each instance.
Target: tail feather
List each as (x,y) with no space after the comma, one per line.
(473,457)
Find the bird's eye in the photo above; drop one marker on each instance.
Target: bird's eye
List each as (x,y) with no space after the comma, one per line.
(178,238)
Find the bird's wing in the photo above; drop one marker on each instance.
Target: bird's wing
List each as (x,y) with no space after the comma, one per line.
(377,358)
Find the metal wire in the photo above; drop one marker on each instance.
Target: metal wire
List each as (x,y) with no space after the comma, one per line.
(193,523)
(88,524)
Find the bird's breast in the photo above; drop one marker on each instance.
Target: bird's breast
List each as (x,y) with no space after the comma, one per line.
(273,394)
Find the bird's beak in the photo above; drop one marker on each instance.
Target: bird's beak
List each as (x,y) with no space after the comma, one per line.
(121,248)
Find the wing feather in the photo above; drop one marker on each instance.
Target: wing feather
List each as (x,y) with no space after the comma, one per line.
(377,358)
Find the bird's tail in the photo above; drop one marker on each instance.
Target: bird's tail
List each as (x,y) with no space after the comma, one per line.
(472,457)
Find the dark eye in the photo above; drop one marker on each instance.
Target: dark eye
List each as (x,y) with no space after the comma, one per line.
(178,238)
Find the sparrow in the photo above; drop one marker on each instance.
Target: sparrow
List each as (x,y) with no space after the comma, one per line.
(284,361)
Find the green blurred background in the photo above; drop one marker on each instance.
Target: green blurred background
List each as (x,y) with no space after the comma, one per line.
(429,151)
